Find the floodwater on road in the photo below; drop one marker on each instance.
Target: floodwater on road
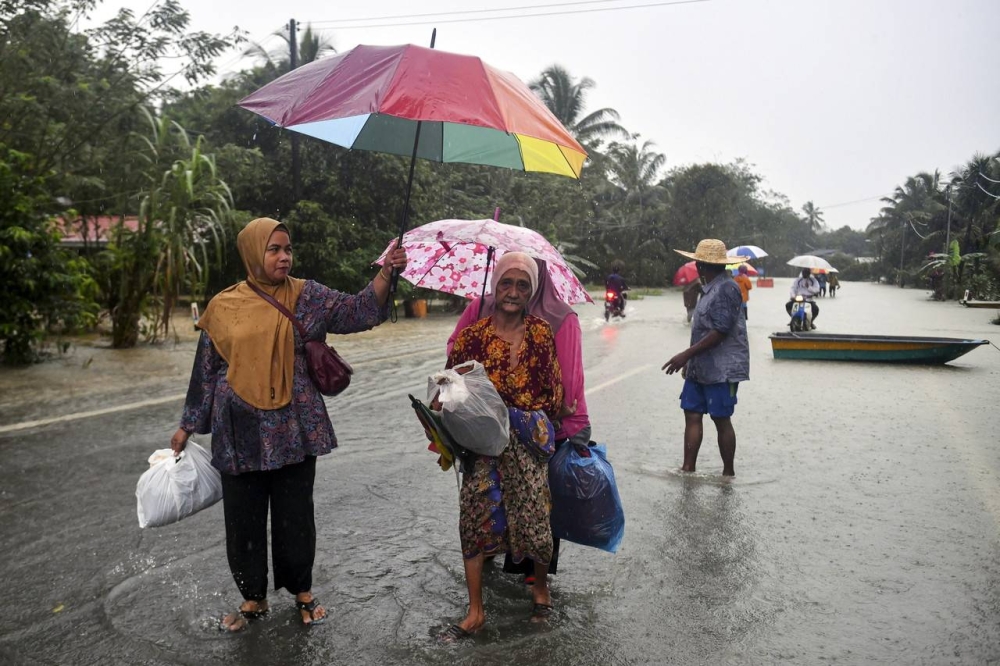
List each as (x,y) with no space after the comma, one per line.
(863,526)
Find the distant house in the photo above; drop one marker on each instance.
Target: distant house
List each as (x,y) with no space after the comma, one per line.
(91,231)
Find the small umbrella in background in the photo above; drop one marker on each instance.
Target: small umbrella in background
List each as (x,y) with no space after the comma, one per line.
(735,268)
(809,261)
(686,274)
(751,251)
(456,257)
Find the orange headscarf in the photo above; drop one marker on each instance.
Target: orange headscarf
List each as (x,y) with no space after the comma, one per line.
(249,333)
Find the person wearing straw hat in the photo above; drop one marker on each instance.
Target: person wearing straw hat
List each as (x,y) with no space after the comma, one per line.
(718,358)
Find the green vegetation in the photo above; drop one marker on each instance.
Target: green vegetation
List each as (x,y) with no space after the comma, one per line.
(78,141)
(944,232)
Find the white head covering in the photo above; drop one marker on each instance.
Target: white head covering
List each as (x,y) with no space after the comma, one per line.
(515,260)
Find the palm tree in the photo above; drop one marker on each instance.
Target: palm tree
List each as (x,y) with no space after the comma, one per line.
(814,216)
(976,187)
(633,192)
(311,47)
(566,99)
(632,167)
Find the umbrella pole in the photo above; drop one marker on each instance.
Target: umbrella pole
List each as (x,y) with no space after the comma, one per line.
(405,218)
(489,257)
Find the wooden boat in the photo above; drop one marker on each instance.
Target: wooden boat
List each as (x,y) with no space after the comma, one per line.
(878,348)
(971,303)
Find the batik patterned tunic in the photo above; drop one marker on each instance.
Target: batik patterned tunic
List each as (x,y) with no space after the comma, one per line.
(247,439)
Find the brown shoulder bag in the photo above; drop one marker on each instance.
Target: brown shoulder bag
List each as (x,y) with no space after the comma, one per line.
(328,370)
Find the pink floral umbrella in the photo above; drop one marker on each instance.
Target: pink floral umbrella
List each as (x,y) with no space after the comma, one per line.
(451,256)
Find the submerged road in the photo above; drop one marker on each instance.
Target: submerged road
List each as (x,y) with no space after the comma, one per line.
(863,526)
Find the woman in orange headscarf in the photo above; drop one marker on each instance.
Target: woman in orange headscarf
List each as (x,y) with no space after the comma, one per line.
(250,388)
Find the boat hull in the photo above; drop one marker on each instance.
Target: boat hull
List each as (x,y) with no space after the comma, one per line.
(874,348)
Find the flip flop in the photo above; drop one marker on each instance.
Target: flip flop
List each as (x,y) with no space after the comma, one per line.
(244,617)
(453,634)
(310,607)
(541,611)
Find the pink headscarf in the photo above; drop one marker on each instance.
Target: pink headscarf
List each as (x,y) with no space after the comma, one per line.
(544,302)
(517,260)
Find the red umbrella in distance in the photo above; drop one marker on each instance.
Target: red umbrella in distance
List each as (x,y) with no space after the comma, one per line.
(686,274)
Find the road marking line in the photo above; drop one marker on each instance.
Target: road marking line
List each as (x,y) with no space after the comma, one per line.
(95,412)
(180,396)
(611,382)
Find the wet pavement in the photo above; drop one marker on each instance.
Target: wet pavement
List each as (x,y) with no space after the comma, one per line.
(863,526)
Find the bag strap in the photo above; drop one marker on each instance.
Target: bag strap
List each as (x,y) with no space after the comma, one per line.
(281,308)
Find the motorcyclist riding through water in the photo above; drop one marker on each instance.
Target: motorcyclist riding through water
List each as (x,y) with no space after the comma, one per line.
(807,287)
(615,288)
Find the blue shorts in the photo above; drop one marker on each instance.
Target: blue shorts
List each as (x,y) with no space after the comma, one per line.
(716,400)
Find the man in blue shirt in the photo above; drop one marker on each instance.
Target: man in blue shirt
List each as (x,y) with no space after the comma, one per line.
(615,282)
(718,358)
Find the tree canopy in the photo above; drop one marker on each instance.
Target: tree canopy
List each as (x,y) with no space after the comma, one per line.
(79,139)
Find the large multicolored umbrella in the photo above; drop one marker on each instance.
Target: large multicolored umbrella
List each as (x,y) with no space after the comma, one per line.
(453,256)
(374,97)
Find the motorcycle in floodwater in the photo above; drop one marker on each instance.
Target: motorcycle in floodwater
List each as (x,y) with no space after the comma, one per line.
(614,304)
(802,314)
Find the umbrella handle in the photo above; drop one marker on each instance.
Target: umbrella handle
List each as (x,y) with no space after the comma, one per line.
(489,257)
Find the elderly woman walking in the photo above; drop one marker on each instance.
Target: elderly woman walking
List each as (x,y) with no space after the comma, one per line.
(574,421)
(250,387)
(504,503)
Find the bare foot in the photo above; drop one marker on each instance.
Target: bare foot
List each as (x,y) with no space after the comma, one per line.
(472,622)
(312,612)
(249,610)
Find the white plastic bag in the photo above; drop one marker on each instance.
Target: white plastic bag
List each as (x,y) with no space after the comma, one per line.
(172,489)
(472,411)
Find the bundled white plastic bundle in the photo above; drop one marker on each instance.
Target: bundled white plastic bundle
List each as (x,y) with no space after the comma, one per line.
(472,411)
(172,489)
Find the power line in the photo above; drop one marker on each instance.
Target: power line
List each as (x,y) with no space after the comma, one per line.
(987,191)
(339,23)
(851,203)
(455,12)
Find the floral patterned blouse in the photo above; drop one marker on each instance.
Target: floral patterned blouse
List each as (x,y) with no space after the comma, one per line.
(535,384)
(247,439)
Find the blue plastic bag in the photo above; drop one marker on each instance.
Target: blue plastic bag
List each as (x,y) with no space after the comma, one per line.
(586,506)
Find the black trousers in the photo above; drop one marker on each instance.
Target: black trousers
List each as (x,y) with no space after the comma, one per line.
(245,500)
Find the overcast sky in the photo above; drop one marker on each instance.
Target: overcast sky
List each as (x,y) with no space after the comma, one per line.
(834,101)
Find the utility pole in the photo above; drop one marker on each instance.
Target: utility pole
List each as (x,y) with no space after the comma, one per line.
(293,62)
(947,249)
(902,248)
